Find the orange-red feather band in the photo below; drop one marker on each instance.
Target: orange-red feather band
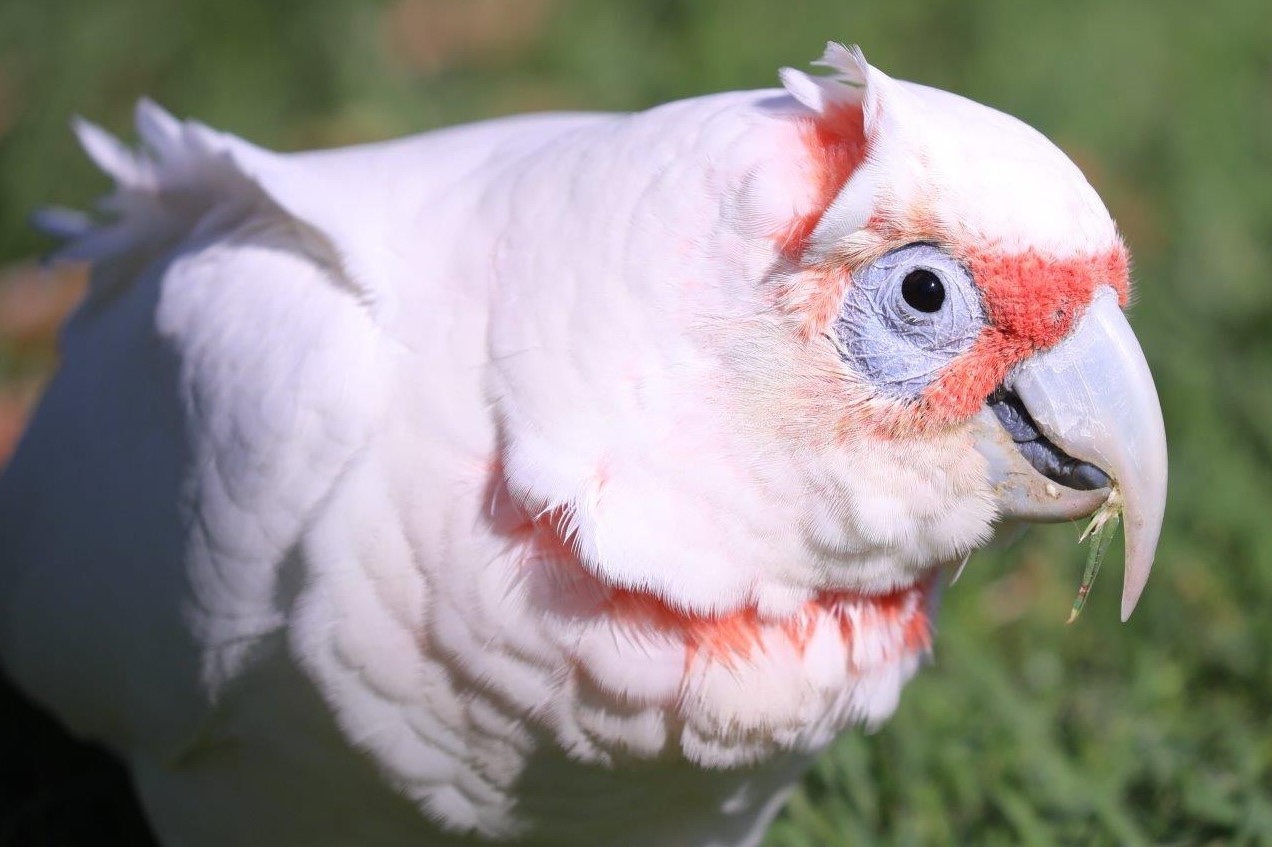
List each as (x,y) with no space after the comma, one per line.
(834,145)
(896,623)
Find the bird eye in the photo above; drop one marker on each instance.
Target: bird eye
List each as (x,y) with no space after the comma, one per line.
(923,290)
(907,315)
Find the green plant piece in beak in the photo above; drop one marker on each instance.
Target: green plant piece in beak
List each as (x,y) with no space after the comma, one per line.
(1103,526)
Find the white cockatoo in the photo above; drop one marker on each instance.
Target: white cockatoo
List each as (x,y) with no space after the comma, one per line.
(558,480)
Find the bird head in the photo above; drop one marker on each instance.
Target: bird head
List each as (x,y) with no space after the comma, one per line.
(971,281)
(816,345)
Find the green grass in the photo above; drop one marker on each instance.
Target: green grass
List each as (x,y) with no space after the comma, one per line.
(1023,731)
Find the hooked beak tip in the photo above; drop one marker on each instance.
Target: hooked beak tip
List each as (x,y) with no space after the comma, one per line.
(1093,395)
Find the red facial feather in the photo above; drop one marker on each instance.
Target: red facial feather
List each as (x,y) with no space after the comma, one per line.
(1033,301)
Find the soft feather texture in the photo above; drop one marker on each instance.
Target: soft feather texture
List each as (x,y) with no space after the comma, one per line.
(464,483)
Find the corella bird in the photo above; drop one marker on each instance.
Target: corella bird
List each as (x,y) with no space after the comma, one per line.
(557,480)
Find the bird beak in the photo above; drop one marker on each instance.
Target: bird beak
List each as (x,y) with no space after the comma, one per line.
(1092,396)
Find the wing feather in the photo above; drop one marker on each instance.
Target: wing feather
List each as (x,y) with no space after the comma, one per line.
(213,388)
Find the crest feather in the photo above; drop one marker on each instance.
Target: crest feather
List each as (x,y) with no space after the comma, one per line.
(846,85)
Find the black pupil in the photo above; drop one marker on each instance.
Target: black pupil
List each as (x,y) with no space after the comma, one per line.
(923,290)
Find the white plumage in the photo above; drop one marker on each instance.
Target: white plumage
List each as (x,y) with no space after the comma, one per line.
(500,483)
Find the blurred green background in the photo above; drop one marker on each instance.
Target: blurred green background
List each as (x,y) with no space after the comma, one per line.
(1023,731)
